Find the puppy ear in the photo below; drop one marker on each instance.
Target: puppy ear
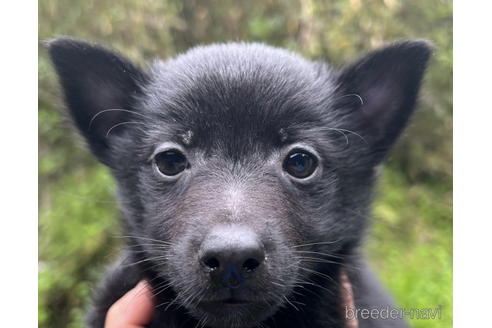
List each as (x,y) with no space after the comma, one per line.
(378,93)
(99,87)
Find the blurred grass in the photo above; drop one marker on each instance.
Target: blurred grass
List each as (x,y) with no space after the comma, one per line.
(411,242)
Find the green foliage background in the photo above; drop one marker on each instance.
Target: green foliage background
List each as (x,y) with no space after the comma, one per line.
(411,242)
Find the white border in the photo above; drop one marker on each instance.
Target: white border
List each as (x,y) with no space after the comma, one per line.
(18,164)
(472,162)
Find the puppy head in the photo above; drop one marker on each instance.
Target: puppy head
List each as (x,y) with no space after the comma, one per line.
(244,169)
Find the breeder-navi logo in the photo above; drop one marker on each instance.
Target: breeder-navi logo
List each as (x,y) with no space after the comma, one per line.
(393,313)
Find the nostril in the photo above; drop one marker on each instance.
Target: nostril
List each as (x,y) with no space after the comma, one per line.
(251,264)
(212,263)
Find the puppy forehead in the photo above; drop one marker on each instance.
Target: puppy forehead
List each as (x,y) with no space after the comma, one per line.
(237,92)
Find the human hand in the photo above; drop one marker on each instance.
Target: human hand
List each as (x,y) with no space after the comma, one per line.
(347,294)
(133,310)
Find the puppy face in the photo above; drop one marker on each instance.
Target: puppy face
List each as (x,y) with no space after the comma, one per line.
(243,169)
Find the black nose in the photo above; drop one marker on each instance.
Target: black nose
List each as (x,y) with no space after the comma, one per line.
(231,255)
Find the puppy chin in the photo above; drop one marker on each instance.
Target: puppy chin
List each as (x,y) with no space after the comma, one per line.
(240,315)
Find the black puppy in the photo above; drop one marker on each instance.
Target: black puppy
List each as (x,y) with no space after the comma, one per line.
(245,175)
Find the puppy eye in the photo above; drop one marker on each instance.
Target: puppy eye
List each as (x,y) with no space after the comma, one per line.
(171,162)
(300,164)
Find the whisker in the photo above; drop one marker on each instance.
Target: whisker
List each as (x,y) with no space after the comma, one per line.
(176,298)
(318,286)
(114,110)
(288,301)
(161,290)
(319,274)
(143,289)
(155,246)
(318,243)
(343,131)
(122,123)
(145,260)
(353,95)
(319,260)
(146,238)
(320,253)
(297,285)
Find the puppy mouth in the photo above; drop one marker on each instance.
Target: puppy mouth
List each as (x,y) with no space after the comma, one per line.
(234,302)
(224,308)
(228,302)
(229,311)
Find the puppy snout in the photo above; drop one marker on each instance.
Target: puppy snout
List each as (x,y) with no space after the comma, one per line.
(231,255)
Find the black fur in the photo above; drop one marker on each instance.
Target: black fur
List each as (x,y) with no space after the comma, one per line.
(236,110)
